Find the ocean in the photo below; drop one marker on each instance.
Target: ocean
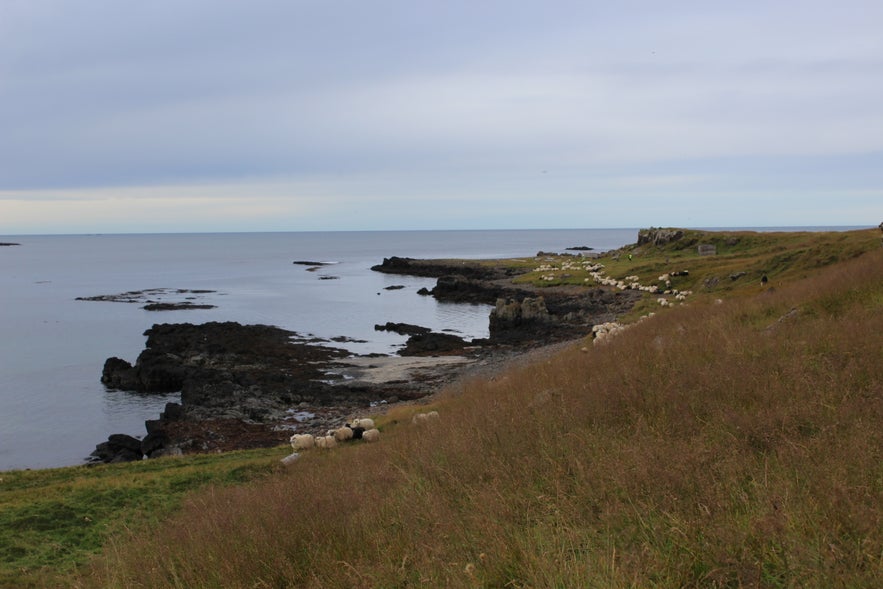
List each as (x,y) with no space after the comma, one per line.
(53,346)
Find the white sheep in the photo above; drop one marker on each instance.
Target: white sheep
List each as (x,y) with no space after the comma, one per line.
(365,423)
(302,441)
(371,435)
(326,442)
(420,418)
(342,434)
(290,459)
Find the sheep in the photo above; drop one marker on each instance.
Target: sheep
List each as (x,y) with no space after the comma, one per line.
(302,441)
(365,422)
(326,442)
(290,459)
(421,418)
(343,434)
(371,435)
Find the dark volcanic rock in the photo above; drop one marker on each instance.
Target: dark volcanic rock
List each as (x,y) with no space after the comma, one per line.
(172,412)
(175,306)
(517,313)
(402,328)
(656,236)
(460,289)
(233,372)
(155,299)
(156,371)
(525,320)
(557,314)
(117,448)
(432,343)
(119,374)
(236,381)
(436,268)
(154,442)
(221,364)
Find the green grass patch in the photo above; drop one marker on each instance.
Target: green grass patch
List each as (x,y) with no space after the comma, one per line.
(53,520)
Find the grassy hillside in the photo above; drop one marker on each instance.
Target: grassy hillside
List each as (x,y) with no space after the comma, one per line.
(51,520)
(741,259)
(734,441)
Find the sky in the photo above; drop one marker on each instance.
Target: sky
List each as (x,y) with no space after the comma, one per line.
(122,116)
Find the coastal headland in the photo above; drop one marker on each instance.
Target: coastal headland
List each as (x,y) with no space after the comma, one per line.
(245,386)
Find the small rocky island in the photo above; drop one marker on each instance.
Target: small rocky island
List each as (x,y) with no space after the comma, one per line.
(246,386)
(158,299)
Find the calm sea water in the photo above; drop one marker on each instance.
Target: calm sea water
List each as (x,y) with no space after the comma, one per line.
(53,408)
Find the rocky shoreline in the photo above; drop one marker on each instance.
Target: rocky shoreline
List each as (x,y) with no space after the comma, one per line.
(523,314)
(245,386)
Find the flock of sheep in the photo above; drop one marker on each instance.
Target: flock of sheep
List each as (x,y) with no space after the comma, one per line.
(359,429)
(604,331)
(596,274)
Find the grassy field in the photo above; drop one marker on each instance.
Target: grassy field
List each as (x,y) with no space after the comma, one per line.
(732,441)
(52,520)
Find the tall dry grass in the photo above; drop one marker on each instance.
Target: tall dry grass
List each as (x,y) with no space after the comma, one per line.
(721,445)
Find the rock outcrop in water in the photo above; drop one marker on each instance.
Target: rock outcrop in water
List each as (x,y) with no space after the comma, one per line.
(241,385)
(221,365)
(437,268)
(522,314)
(158,299)
(233,378)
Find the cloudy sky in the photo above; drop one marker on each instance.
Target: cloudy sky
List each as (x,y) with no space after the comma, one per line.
(268,115)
